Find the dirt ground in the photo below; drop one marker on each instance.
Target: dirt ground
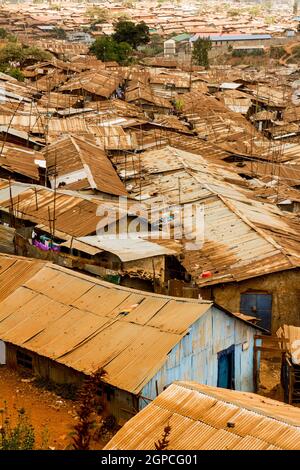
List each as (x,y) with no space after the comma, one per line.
(52,417)
(269,376)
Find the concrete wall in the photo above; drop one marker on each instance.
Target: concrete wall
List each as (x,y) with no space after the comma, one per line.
(284,287)
(196,356)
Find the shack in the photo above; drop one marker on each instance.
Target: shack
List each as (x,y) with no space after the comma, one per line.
(64,325)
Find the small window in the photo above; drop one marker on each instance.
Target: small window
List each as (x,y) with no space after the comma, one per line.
(24,360)
(110,393)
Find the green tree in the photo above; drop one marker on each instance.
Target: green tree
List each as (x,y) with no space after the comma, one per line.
(107,50)
(201,48)
(133,34)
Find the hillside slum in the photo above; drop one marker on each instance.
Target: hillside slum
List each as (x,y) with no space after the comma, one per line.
(90,149)
(77,136)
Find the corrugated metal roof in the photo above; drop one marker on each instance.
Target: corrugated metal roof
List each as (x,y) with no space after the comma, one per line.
(210,418)
(85,324)
(14,271)
(20,160)
(127,249)
(74,157)
(75,214)
(113,137)
(232,37)
(254,243)
(101,83)
(141,93)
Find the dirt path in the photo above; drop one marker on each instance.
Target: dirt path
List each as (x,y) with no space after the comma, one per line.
(288,53)
(49,414)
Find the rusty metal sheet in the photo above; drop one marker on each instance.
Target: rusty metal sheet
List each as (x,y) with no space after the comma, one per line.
(14,272)
(81,323)
(58,285)
(175,316)
(188,408)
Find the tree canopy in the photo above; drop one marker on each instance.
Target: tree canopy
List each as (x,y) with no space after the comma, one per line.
(201,47)
(133,34)
(14,53)
(107,50)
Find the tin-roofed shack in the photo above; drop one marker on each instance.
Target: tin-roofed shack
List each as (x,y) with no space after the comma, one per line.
(64,325)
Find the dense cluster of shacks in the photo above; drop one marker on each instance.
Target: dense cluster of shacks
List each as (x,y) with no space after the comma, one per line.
(78,135)
(163,18)
(81,140)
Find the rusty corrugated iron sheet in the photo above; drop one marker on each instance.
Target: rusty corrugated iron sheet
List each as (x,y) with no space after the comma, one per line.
(14,271)
(100,83)
(84,324)
(262,239)
(73,158)
(210,418)
(74,214)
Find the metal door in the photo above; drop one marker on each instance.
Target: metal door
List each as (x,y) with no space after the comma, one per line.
(226,368)
(258,305)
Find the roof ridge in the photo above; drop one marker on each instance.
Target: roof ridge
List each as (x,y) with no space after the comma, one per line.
(252,225)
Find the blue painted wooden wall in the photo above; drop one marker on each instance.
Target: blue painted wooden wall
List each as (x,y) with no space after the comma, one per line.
(196,356)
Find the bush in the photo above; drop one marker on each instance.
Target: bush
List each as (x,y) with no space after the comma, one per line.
(3,33)
(89,410)
(247,52)
(16,73)
(19,437)
(59,33)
